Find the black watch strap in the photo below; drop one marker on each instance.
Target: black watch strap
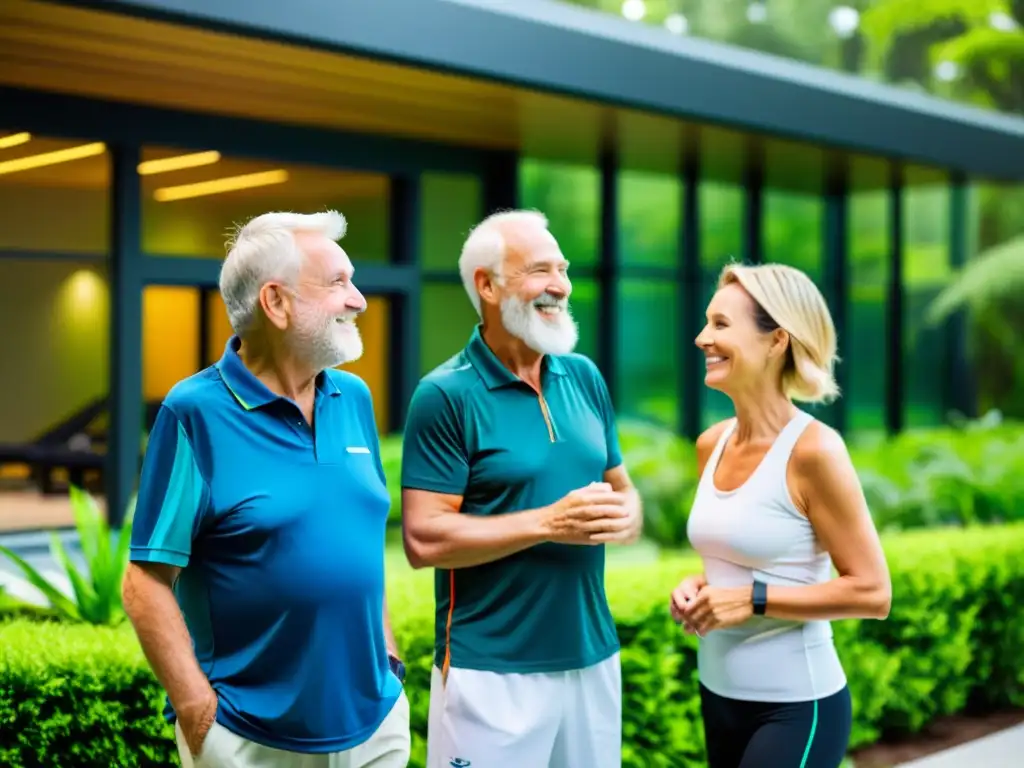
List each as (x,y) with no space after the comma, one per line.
(760,597)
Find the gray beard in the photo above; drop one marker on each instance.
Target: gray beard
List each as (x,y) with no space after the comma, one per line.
(523,321)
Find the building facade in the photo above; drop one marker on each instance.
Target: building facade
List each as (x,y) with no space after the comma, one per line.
(134,134)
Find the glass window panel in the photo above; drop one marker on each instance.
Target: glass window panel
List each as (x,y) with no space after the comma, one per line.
(447,320)
(218,327)
(61,206)
(863,349)
(647,351)
(452,206)
(584,304)
(59,354)
(170,338)
(374,367)
(793,232)
(926,271)
(650,211)
(721,239)
(794,235)
(182,217)
(570,196)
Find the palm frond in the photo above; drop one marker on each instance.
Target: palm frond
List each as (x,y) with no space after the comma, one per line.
(992,274)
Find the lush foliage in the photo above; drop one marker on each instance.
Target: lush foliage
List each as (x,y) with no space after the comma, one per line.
(96,597)
(950,642)
(972,50)
(949,476)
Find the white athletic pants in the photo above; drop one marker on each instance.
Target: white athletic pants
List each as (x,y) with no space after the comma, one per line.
(387,748)
(541,720)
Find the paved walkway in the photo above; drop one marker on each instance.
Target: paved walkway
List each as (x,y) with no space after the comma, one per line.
(1004,749)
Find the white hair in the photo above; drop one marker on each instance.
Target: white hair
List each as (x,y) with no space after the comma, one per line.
(265,249)
(485,247)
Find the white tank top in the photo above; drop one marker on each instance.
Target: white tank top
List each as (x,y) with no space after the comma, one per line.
(757,531)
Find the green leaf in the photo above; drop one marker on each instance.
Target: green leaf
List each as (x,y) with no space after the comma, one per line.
(994,273)
(85,595)
(979,45)
(884,22)
(57,599)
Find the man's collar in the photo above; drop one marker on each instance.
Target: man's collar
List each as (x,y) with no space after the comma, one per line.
(248,390)
(491,369)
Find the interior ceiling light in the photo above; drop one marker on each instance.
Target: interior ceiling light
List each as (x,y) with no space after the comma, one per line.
(14,139)
(167,164)
(217,186)
(52,158)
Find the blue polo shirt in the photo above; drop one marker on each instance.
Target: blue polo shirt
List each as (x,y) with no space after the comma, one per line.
(279,531)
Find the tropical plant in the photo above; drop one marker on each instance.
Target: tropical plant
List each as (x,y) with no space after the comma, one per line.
(992,275)
(96,596)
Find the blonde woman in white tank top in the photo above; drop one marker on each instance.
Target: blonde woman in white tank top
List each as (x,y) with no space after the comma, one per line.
(777,507)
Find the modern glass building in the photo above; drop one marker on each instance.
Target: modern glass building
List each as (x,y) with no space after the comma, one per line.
(135,133)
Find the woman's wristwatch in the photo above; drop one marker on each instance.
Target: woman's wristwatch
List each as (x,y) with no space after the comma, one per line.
(760,597)
(397,667)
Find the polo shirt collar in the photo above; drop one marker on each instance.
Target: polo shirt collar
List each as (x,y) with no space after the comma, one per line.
(248,390)
(491,369)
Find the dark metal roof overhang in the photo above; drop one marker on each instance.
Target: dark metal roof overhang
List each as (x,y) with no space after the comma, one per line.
(564,49)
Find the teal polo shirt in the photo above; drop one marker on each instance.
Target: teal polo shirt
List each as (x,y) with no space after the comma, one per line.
(278,528)
(476,430)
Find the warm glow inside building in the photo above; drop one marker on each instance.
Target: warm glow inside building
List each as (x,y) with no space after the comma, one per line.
(135,133)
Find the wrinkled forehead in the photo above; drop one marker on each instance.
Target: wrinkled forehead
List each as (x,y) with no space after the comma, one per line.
(324,260)
(529,248)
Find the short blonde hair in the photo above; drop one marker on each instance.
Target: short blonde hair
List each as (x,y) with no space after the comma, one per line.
(788,299)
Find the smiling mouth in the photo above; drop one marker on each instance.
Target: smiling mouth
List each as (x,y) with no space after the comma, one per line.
(548,310)
(712,360)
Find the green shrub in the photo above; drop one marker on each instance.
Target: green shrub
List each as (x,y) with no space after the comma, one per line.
(79,695)
(921,478)
(944,476)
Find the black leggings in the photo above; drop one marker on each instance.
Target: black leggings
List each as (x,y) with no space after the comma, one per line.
(754,734)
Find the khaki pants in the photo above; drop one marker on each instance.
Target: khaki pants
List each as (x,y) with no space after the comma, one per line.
(387,748)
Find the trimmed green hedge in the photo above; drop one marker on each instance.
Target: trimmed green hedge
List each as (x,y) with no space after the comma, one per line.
(920,478)
(78,695)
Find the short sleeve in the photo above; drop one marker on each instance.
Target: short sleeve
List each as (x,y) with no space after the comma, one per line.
(611,432)
(172,495)
(434,455)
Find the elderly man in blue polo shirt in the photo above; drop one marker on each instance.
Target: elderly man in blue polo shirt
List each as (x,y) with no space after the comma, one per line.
(256,583)
(513,481)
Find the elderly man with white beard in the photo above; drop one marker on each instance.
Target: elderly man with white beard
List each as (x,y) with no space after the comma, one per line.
(512,483)
(256,583)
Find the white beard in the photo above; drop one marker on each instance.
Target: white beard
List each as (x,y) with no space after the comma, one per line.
(554,335)
(324,341)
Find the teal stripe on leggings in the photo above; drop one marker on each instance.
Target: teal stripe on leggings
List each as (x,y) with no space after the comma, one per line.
(810,738)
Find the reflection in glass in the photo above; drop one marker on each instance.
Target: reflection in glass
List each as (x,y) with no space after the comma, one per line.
(570,196)
(926,271)
(863,348)
(647,354)
(56,316)
(650,207)
(54,194)
(191,208)
(447,319)
(451,206)
(721,233)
